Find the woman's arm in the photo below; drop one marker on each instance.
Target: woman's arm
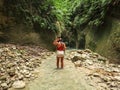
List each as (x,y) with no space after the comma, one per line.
(55,42)
(64,46)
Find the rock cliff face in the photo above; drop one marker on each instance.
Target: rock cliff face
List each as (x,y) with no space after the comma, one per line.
(14,29)
(106,39)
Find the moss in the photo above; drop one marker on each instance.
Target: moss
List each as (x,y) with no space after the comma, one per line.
(92,45)
(106,39)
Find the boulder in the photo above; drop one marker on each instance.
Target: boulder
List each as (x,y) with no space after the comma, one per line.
(76,58)
(18,84)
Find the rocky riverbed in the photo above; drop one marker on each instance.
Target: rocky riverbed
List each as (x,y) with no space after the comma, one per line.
(98,71)
(17,64)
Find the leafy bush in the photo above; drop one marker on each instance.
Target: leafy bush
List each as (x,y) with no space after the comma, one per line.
(31,12)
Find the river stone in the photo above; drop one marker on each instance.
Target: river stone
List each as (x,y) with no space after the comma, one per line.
(115,70)
(11,72)
(89,62)
(117,78)
(80,51)
(3,77)
(76,58)
(4,85)
(96,54)
(9,65)
(118,66)
(84,56)
(20,77)
(87,50)
(18,84)
(96,75)
(113,84)
(77,63)
(14,47)
(100,58)
(28,75)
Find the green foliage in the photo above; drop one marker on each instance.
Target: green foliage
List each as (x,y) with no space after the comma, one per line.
(72,15)
(32,12)
(89,12)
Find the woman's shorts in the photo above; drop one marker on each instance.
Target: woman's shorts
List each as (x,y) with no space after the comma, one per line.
(60,53)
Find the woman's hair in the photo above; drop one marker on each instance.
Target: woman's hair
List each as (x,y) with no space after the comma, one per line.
(60,39)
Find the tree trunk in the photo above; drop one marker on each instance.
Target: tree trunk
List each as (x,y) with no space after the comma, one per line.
(77,43)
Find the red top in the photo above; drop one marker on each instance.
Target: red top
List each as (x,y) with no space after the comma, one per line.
(61,47)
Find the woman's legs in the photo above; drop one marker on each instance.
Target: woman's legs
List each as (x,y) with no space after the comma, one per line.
(62,62)
(57,62)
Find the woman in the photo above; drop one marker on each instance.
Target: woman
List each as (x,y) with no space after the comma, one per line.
(60,46)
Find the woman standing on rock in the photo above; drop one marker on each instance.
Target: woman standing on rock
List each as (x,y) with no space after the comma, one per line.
(60,46)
